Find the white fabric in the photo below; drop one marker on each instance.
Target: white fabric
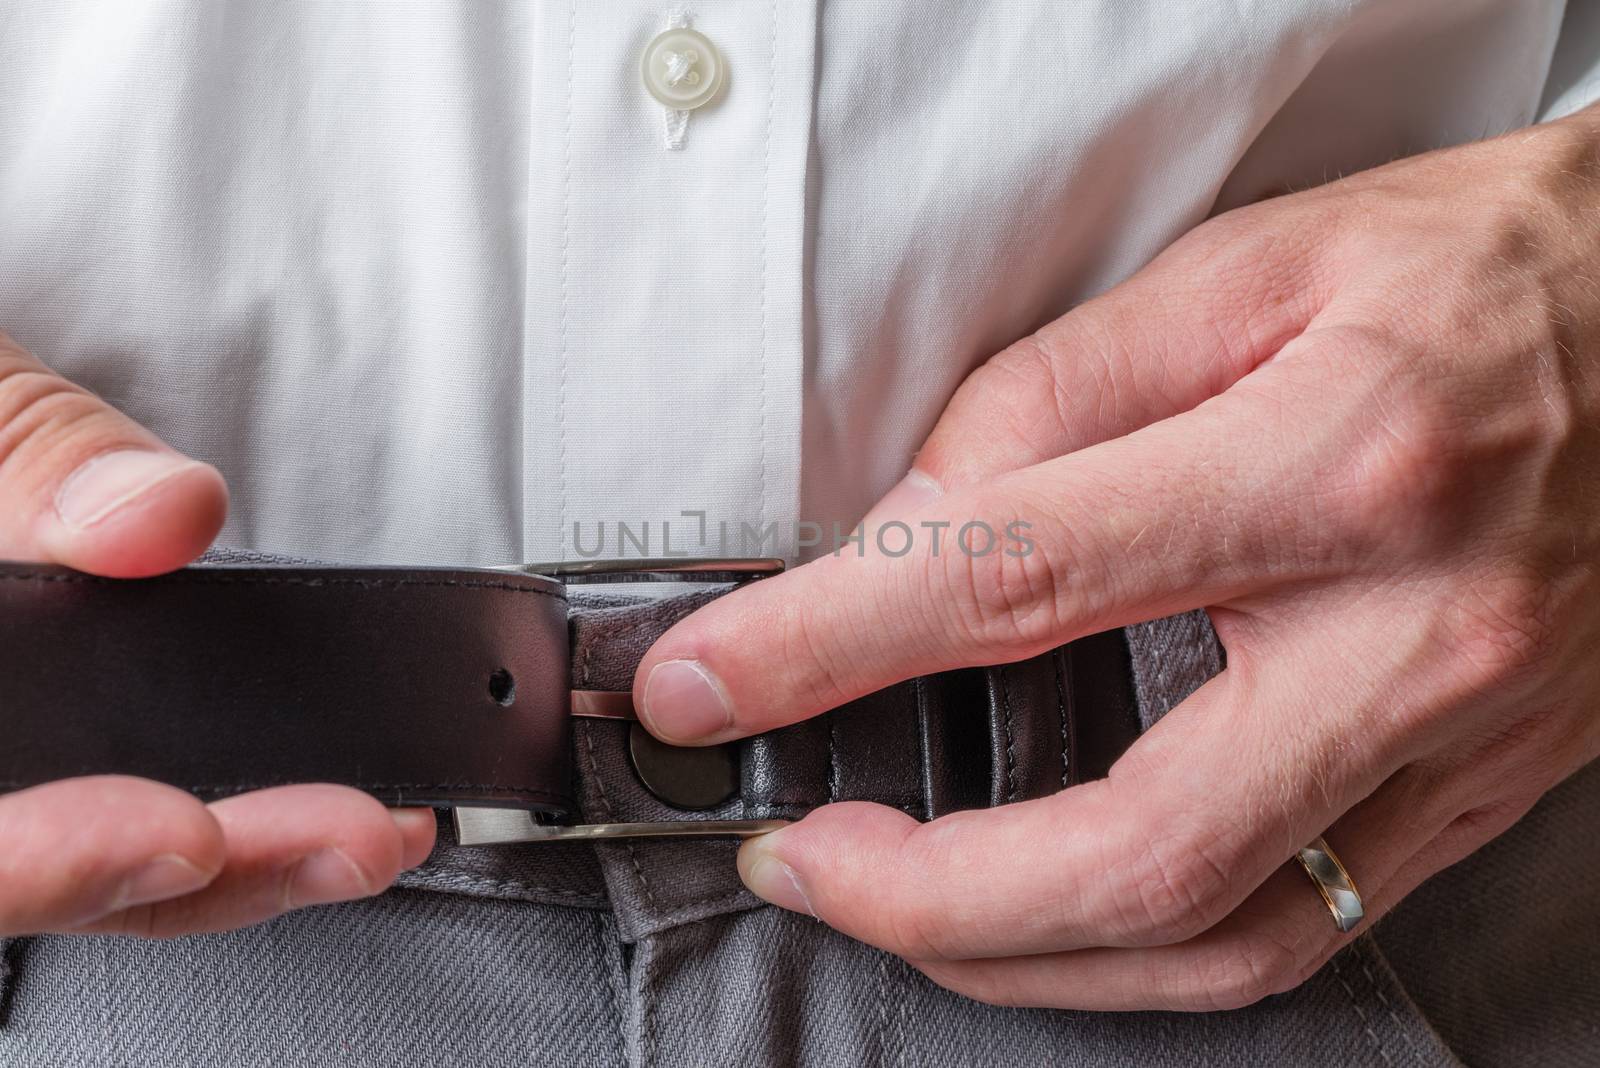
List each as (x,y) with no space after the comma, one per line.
(1574,81)
(423,279)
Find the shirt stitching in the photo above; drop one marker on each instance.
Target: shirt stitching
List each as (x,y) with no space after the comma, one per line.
(566,288)
(766,266)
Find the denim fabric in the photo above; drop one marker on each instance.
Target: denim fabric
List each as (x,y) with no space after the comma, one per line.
(408,978)
(651,953)
(1502,951)
(425,978)
(769,988)
(1171,657)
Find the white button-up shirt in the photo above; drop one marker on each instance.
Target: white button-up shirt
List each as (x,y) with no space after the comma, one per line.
(437,281)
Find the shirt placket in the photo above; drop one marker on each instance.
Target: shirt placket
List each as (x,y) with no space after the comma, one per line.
(664,344)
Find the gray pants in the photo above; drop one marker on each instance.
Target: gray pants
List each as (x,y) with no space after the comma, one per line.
(651,953)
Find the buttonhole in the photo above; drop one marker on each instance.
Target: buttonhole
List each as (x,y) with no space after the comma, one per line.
(502,687)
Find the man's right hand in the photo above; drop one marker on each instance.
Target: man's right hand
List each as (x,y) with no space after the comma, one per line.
(81,484)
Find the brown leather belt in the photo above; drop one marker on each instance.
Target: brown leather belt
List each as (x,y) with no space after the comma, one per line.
(454,688)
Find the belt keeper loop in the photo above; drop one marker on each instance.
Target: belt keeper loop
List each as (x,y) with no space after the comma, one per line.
(493,826)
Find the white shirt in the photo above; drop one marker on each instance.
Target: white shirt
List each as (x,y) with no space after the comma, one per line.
(425,280)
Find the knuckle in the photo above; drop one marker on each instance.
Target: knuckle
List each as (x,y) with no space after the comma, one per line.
(1478,825)
(1399,491)
(1176,887)
(37,408)
(1017,396)
(820,667)
(1389,451)
(1248,968)
(1017,376)
(1040,408)
(1002,594)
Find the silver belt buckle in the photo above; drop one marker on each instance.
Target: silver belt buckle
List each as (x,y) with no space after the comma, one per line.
(504,826)
(501,826)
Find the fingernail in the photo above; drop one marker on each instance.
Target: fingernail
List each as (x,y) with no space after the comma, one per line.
(166,877)
(112,481)
(326,876)
(683,702)
(412,820)
(774,881)
(417,826)
(909,494)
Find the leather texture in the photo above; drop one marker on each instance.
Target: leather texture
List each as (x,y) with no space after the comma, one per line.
(972,738)
(227,679)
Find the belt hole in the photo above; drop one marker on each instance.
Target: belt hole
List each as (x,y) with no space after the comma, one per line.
(502,687)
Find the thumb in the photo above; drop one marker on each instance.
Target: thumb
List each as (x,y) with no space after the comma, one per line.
(81,484)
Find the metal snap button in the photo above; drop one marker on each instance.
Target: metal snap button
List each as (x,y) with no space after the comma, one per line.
(691,777)
(682,69)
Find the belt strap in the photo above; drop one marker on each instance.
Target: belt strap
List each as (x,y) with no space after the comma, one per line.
(451,688)
(426,687)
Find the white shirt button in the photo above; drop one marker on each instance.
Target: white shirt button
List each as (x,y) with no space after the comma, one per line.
(682,69)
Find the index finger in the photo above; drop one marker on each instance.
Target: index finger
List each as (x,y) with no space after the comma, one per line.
(1177,516)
